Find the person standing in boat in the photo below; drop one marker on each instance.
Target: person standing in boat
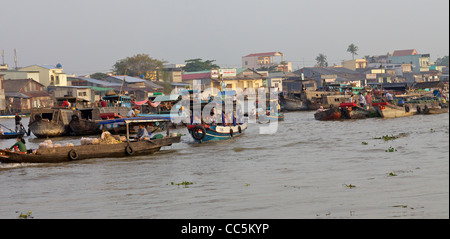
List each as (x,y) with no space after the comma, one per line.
(19,146)
(103,103)
(369,99)
(17,119)
(389,97)
(362,99)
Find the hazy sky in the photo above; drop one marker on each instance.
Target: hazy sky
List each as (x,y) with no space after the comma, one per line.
(88,36)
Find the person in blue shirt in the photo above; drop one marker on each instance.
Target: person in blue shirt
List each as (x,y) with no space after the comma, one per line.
(142,133)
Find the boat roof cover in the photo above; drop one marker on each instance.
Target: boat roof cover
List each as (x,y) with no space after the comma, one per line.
(146,119)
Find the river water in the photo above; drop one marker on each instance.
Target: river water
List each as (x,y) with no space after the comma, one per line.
(307,169)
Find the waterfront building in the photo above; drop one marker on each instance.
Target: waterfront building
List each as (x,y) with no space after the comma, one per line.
(24,94)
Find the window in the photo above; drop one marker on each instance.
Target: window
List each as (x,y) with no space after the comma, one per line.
(52,80)
(57,80)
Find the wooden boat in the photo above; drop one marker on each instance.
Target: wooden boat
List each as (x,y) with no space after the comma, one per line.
(50,122)
(11,135)
(353,111)
(334,113)
(292,104)
(79,152)
(205,132)
(387,110)
(85,122)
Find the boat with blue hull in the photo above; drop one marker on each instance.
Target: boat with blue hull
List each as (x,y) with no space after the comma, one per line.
(204,132)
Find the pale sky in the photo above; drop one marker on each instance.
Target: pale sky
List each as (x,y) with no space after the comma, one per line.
(88,36)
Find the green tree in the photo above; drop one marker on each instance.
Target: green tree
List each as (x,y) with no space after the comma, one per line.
(198,65)
(442,61)
(321,60)
(137,65)
(98,75)
(352,49)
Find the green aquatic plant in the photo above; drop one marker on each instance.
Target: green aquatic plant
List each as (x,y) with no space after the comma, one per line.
(184,183)
(25,215)
(390,149)
(392,174)
(350,186)
(364,143)
(387,137)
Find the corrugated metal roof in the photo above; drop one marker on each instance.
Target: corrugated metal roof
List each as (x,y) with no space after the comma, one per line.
(128,79)
(97,82)
(196,75)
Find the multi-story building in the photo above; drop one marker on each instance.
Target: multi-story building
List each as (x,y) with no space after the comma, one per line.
(419,62)
(48,74)
(266,60)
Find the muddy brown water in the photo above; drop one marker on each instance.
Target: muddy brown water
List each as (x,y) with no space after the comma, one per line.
(307,169)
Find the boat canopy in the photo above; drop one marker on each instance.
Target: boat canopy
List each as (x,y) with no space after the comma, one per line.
(137,120)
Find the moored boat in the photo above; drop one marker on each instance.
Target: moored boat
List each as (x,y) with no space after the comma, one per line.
(50,122)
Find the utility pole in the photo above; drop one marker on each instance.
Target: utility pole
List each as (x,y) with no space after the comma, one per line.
(15,57)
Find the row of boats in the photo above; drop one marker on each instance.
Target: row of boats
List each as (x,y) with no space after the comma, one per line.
(59,121)
(384,109)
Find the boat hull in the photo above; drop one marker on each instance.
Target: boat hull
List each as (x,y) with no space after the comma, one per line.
(293,105)
(62,154)
(330,114)
(44,128)
(393,111)
(84,127)
(218,133)
(11,135)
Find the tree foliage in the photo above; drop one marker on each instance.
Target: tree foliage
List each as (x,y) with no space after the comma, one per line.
(321,60)
(98,75)
(442,61)
(137,65)
(352,48)
(198,65)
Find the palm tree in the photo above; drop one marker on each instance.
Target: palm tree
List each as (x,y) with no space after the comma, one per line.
(321,60)
(352,49)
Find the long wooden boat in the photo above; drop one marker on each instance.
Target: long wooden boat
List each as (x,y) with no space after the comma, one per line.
(79,152)
(205,132)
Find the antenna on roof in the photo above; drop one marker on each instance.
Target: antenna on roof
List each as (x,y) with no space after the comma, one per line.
(3,56)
